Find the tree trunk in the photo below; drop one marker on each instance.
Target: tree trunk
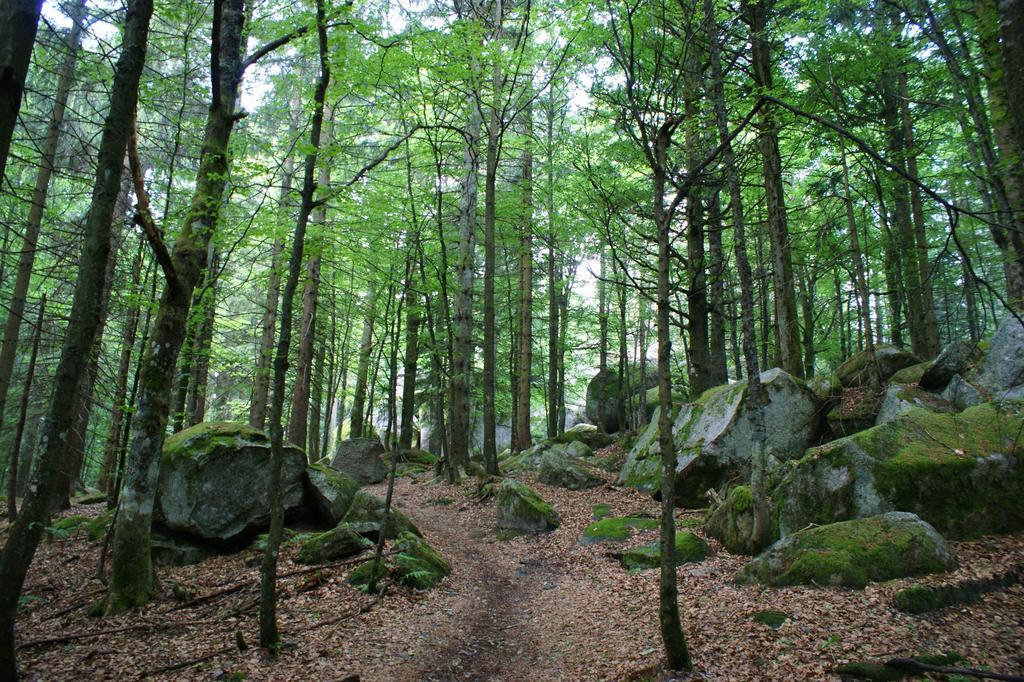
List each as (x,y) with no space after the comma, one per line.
(19,20)
(719,373)
(494,141)
(26,392)
(525,336)
(755,391)
(24,533)
(195,409)
(131,577)
(356,428)
(859,278)
(778,232)
(27,255)
(264,359)
(269,635)
(676,652)
(462,352)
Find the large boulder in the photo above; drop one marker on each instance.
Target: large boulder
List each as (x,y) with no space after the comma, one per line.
(566,472)
(366,517)
(962,473)
(956,358)
(712,437)
(520,507)
(341,542)
(961,394)
(852,553)
(902,398)
(1003,366)
(689,549)
(330,492)
(732,521)
(873,368)
(587,434)
(362,459)
(213,481)
(531,457)
(856,410)
(607,395)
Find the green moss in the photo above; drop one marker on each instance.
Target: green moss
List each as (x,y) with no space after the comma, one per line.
(366,516)
(360,578)
(770,617)
(601,510)
(521,507)
(850,553)
(418,564)
(338,543)
(689,549)
(741,498)
(95,527)
(910,375)
(615,529)
(207,436)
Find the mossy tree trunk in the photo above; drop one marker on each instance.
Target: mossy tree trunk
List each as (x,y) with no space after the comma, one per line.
(25,532)
(524,366)
(131,577)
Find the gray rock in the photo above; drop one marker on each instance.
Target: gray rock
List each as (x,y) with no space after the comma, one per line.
(330,492)
(173,550)
(606,412)
(852,553)
(712,437)
(366,517)
(961,394)
(1003,366)
(520,507)
(213,481)
(963,473)
(868,368)
(338,543)
(361,459)
(565,472)
(856,410)
(587,434)
(956,358)
(901,398)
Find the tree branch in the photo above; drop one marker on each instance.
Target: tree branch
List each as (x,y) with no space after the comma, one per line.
(143,214)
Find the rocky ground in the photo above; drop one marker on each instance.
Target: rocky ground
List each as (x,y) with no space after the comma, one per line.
(515,608)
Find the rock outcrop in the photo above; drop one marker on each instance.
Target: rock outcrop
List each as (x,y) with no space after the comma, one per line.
(520,507)
(362,459)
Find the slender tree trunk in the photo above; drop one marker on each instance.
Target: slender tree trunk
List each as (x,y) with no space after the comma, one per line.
(524,368)
(676,652)
(755,391)
(264,359)
(356,428)
(199,377)
(107,471)
(24,534)
(459,403)
(19,20)
(719,373)
(131,577)
(26,393)
(859,278)
(494,140)
(269,634)
(782,266)
(27,255)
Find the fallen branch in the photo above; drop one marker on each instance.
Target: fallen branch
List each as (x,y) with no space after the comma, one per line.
(74,636)
(917,666)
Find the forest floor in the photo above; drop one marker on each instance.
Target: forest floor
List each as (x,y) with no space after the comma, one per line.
(538,607)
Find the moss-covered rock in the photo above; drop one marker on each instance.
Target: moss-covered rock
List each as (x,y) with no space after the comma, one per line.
(912,374)
(565,472)
(855,411)
(520,507)
(713,441)
(418,564)
(962,394)
(214,478)
(732,522)
(958,357)
(873,368)
(329,492)
(366,517)
(93,527)
(588,434)
(616,529)
(962,473)
(360,577)
(852,553)
(917,599)
(341,542)
(362,459)
(689,549)
(773,618)
(901,398)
